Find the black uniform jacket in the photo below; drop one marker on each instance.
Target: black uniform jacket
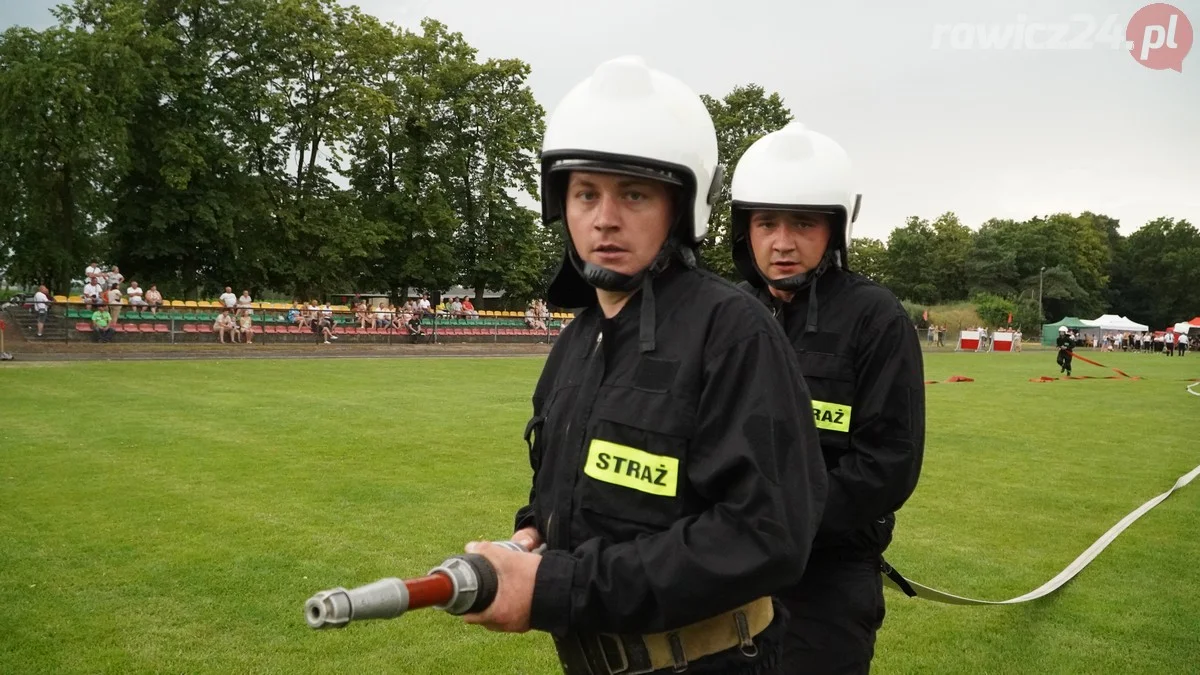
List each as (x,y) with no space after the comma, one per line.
(1065,343)
(865,372)
(675,484)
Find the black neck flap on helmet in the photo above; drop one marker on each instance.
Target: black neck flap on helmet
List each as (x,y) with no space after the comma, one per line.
(575,283)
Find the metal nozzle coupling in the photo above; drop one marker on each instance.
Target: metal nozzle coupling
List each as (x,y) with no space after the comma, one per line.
(383,599)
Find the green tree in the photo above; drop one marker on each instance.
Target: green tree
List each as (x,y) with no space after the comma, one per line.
(398,154)
(495,128)
(743,116)
(951,250)
(62,144)
(868,257)
(1158,273)
(992,264)
(910,262)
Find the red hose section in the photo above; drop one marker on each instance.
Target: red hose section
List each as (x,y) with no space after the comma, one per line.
(435,589)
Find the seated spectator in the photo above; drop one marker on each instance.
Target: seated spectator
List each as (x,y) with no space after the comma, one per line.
(468,309)
(399,318)
(113,296)
(423,305)
(102,330)
(228,299)
(154,299)
(414,324)
(362,312)
(383,317)
(244,302)
(224,325)
(297,317)
(245,326)
(532,318)
(322,326)
(91,292)
(135,295)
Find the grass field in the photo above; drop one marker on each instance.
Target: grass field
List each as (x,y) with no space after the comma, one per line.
(174,516)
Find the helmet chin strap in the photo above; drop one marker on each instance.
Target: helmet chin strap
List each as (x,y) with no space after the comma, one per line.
(797,282)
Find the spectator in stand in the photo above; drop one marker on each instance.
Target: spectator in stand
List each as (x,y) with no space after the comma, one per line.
(414,324)
(114,277)
(91,292)
(456,308)
(113,297)
(246,326)
(135,295)
(423,305)
(323,326)
(244,302)
(297,316)
(93,270)
(154,299)
(41,308)
(102,330)
(532,317)
(224,325)
(362,312)
(469,309)
(228,299)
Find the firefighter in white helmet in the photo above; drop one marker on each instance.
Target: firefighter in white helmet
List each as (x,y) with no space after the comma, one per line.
(1065,344)
(793,208)
(676,485)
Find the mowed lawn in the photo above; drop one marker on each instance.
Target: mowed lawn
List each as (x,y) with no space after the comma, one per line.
(174,516)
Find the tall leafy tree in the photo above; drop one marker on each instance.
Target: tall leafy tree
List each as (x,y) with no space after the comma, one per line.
(741,117)
(63,98)
(868,257)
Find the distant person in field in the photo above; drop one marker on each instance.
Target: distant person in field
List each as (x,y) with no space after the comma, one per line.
(1169,342)
(1183,343)
(1065,345)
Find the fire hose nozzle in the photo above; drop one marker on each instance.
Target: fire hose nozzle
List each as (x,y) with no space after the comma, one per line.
(461,584)
(383,599)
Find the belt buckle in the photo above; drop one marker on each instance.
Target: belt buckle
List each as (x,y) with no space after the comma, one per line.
(620,652)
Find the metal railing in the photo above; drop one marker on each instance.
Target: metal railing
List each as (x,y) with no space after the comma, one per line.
(268,324)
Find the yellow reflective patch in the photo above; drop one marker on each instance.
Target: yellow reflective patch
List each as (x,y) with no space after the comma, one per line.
(632,468)
(831,416)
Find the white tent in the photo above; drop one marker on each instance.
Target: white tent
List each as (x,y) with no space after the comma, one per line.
(1112,322)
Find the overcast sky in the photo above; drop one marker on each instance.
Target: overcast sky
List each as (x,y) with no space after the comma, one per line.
(1007,133)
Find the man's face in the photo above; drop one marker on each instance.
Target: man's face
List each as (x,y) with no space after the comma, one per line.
(617,222)
(786,243)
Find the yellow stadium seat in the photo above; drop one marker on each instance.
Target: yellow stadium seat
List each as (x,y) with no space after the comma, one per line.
(74,298)
(177,303)
(208,304)
(190,303)
(60,298)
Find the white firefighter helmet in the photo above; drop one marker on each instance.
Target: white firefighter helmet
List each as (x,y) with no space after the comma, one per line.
(628,118)
(1062,329)
(793,169)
